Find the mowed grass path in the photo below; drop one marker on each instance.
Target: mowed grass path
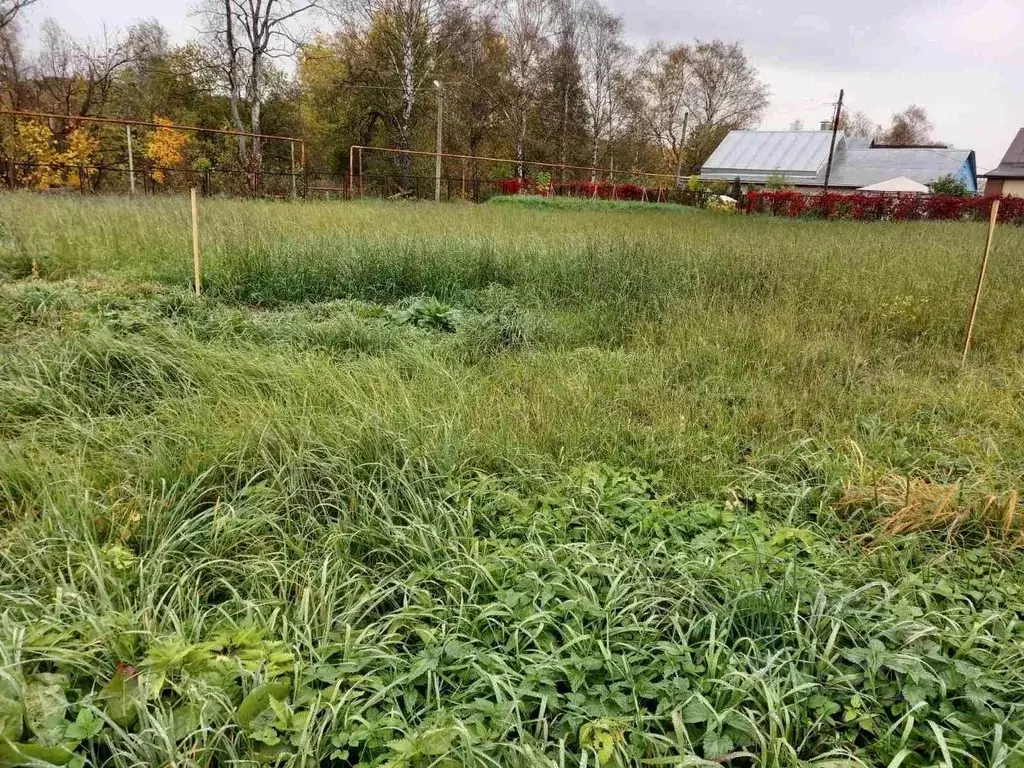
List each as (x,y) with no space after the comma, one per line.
(505,485)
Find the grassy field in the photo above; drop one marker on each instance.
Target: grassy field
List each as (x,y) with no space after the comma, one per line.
(506,485)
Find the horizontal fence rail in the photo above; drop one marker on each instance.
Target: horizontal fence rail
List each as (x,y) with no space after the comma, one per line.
(394,185)
(109,179)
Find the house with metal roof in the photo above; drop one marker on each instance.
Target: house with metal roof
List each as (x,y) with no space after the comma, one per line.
(1008,178)
(801,158)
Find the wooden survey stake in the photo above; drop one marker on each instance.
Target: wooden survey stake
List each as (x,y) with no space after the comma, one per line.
(195,243)
(981,280)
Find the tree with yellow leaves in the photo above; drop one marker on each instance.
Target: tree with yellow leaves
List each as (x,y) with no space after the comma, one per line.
(38,146)
(165,148)
(52,167)
(78,156)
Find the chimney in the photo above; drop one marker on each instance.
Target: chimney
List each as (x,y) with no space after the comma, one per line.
(826,125)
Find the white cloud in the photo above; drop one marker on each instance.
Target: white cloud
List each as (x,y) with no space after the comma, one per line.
(989,28)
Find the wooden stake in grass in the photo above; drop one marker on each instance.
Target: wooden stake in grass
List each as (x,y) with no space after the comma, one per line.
(195,242)
(981,281)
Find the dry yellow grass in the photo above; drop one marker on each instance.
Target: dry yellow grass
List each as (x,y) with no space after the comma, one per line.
(915,505)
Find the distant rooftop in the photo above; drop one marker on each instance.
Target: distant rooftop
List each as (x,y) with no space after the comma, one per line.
(879,145)
(1012,166)
(802,157)
(795,154)
(863,167)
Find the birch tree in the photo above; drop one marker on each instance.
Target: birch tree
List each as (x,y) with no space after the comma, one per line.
(407,40)
(566,71)
(525,24)
(603,57)
(664,78)
(725,93)
(909,127)
(476,75)
(859,124)
(247,36)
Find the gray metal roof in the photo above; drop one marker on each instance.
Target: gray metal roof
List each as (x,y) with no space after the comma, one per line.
(802,156)
(1005,172)
(856,168)
(1012,166)
(762,153)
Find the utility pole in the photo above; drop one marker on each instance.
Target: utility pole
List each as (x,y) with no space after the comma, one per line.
(832,147)
(682,146)
(440,137)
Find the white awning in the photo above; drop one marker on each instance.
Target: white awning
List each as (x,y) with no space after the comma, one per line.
(899,184)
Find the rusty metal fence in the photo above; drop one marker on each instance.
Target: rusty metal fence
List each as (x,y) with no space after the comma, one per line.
(396,174)
(229,182)
(115,180)
(383,181)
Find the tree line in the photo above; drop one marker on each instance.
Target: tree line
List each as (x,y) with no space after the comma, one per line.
(553,81)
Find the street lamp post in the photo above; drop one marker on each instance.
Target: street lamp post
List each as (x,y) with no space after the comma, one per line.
(440,130)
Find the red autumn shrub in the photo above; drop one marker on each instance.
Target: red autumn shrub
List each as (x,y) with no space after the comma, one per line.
(874,207)
(512,186)
(784,202)
(630,192)
(1011,209)
(943,208)
(575,189)
(907,208)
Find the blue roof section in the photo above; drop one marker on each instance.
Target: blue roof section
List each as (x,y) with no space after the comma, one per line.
(802,156)
(858,168)
(793,153)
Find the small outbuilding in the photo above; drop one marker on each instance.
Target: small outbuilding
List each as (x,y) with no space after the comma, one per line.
(899,184)
(1008,178)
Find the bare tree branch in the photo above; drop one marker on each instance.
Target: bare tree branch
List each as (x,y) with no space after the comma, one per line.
(664,77)
(245,36)
(9,10)
(77,78)
(524,24)
(603,59)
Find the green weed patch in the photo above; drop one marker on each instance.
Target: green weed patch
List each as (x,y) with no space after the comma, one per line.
(420,487)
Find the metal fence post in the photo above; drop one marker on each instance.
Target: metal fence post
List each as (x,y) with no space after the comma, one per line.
(305,171)
(295,191)
(131,160)
(360,173)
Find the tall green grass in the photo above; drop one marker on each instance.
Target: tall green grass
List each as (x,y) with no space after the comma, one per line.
(540,203)
(579,507)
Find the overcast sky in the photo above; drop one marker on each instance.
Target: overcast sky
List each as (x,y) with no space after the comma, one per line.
(961,59)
